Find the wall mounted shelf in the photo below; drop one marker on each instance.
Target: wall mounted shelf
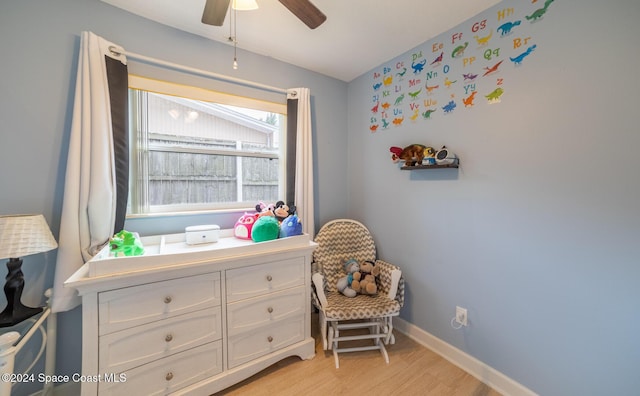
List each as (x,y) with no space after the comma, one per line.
(455,164)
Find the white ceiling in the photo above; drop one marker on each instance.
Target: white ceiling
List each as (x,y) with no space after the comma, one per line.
(357,36)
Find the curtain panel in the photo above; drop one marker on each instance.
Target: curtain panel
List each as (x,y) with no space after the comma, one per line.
(96,180)
(300,156)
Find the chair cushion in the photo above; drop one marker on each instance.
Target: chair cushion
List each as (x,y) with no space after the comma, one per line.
(361,306)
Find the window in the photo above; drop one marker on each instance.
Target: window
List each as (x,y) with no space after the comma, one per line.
(193,149)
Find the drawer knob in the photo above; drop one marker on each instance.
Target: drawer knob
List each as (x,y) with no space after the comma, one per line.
(167,299)
(169,376)
(168,338)
(269,278)
(270,310)
(270,339)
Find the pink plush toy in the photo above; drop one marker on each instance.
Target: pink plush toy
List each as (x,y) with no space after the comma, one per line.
(244,225)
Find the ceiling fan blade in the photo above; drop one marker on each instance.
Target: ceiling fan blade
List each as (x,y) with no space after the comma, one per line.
(306,12)
(215,11)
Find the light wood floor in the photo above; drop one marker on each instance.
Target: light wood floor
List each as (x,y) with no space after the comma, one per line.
(412,370)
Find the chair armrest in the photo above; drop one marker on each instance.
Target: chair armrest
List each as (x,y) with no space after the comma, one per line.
(391,281)
(396,274)
(318,283)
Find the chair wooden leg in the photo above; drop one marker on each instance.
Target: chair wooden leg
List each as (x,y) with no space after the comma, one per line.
(377,333)
(323,329)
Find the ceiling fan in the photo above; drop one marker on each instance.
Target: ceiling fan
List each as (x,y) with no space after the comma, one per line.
(216,10)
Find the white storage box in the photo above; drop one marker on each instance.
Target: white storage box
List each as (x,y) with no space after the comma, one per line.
(202,234)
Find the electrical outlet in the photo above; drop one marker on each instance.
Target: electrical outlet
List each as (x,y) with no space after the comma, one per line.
(461,316)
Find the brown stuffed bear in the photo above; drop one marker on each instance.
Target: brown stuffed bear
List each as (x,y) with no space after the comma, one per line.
(364,281)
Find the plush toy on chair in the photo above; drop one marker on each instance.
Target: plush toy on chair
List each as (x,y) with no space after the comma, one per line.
(364,281)
(344,284)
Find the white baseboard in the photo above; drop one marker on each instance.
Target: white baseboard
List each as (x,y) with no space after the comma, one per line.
(468,363)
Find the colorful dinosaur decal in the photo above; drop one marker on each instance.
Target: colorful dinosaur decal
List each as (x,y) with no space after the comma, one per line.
(387,80)
(482,41)
(385,124)
(374,127)
(448,82)
(399,100)
(418,67)
(505,28)
(427,113)
(415,94)
(401,74)
(431,88)
(492,69)
(374,109)
(518,59)
(537,14)
(469,77)
(414,116)
(495,95)
(449,107)
(459,50)
(468,101)
(377,86)
(386,105)
(438,59)
(398,121)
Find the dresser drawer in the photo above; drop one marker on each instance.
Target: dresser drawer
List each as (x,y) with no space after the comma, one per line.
(260,279)
(251,345)
(133,347)
(132,306)
(169,374)
(249,314)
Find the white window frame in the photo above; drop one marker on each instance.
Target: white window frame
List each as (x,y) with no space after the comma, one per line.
(138,205)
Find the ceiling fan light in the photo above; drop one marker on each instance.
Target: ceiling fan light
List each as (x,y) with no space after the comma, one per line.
(244,5)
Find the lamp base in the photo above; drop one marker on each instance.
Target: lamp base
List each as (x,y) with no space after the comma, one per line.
(15,312)
(17,315)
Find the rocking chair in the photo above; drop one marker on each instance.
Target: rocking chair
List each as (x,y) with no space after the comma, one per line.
(338,241)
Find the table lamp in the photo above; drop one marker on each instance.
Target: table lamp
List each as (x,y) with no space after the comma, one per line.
(21,235)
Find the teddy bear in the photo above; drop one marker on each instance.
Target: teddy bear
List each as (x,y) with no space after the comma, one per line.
(364,281)
(343,285)
(412,155)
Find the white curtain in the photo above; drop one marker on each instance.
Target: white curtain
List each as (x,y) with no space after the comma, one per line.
(304,160)
(89,207)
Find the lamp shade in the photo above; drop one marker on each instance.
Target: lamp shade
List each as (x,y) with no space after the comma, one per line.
(22,235)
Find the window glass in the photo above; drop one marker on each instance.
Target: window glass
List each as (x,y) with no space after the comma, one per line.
(203,150)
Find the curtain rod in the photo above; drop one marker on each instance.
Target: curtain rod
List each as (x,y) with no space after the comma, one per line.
(114,50)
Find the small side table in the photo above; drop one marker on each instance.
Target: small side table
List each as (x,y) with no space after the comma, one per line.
(13,338)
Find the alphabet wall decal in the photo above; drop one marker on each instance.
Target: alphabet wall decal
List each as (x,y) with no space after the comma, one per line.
(458,71)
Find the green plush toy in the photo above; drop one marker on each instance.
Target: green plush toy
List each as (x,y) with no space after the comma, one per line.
(266,228)
(125,243)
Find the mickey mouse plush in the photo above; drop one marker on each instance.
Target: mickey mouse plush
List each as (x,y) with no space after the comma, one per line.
(282,210)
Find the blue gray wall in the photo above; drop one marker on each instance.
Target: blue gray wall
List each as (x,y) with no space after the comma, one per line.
(537,233)
(39,41)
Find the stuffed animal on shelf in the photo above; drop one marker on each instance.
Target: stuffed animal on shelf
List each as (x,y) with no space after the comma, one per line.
(343,285)
(244,225)
(364,281)
(290,226)
(264,209)
(126,243)
(411,155)
(282,210)
(266,228)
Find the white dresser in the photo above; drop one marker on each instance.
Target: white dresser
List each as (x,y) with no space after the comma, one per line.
(192,319)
